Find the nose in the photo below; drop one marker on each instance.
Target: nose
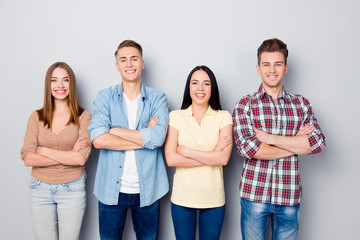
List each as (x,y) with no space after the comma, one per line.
(201,86)
(272,68)
(129,63)
(61,83)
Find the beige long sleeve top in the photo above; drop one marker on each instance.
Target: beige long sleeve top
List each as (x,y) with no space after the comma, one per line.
(38,135)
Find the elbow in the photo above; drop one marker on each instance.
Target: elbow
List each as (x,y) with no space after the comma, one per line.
(97,143)
(169,159)
(27,162)
(170,163)
(225,161)
(81,161)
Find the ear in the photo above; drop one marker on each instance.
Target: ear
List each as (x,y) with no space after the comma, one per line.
(117,67)
(143,64)
(286,68)
(258,69)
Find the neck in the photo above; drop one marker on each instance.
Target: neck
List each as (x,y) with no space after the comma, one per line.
(199,110)
(61,106)
(132,89)
(274,92)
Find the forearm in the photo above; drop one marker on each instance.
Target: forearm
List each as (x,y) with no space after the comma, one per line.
(268,152)
(64,157)
(128,134)
(176,160)
(36,160)
(211,158)
(113,142)
(298,145)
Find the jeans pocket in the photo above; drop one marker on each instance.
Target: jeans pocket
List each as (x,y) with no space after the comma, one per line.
(34,183)
(77,185)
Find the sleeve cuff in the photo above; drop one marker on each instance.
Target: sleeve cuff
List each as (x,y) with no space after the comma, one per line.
(145,135)
(94,133)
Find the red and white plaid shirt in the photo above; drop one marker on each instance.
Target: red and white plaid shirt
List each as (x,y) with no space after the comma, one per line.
(276,181)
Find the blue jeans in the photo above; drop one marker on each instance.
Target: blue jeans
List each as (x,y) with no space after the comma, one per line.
(254,219)
(210,222)
(145,219)
(57,210)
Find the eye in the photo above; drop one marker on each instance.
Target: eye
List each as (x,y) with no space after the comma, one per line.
(53,80)
(207,84)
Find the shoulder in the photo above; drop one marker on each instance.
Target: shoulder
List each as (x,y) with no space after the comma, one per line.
(224,117)
(176,113)
(34,116)
(85,115)
(153,93)
(110,91)
(299,99)
(245,103)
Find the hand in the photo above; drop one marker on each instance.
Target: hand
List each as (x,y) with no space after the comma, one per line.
(263,136)
(307,129)
(181,150)
(224,141)
(80,144)
(40,150)
(152,122)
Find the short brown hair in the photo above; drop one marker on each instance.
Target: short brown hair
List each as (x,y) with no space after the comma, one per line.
(129,43)
(46,112)
(273,45)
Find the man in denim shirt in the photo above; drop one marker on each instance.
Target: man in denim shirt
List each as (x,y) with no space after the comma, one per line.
(129,125)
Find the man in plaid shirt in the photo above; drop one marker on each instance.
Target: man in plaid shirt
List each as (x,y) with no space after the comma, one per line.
(272,127)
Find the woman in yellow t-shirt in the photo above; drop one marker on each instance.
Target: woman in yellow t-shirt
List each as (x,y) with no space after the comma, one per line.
(198,144)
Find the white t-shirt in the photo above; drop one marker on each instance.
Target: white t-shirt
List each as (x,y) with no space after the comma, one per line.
(130,177)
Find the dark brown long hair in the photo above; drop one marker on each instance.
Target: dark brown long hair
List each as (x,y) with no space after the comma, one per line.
(46,112)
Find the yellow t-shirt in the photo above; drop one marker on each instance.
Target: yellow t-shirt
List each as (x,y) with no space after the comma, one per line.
(199,187)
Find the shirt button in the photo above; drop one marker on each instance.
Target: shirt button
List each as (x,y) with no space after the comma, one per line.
(117,182)
(120,166)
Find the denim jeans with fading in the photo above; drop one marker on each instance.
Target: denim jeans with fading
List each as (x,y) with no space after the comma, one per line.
(57,210)
(255,216)
(145,219)
(210,222)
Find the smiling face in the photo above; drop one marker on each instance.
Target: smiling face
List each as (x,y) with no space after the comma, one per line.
(60,84)
(200,88)
(272,68)
(129,63)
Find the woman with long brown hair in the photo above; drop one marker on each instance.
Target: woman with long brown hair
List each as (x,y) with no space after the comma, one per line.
(56,146)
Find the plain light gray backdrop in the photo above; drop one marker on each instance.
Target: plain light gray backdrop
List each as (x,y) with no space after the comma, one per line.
(324,48)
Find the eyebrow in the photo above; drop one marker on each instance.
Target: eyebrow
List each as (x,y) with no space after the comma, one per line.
(130,57)
(207,80)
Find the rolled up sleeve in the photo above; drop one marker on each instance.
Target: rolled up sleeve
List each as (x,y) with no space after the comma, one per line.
(31,135)
(100,121)
(316,137)
(155,136)
(244,134)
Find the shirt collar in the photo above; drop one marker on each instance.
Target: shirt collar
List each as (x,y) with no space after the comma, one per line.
(120,92)
(209,111)
(260,94)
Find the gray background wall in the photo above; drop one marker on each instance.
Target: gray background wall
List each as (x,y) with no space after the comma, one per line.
(323,38)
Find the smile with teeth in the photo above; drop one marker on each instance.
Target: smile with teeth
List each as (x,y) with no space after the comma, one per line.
(60,91)
(130,71)
(272,76)
(200,95)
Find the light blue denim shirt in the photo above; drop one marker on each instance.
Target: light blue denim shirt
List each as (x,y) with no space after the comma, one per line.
(109,111)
